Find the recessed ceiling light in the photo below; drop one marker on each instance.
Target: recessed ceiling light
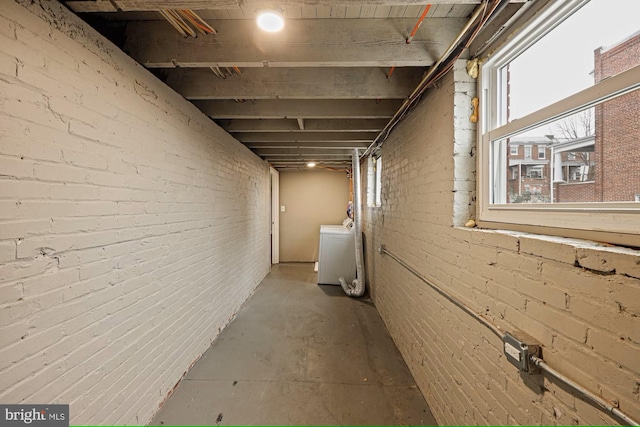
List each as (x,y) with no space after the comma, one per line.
(311,165)
(270,21)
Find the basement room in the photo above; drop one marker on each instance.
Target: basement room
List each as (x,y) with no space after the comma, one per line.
(317,212)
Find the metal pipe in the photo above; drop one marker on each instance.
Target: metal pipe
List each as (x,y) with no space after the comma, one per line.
(415,29)
(357,287)
(405,105)
(493,328)
(476,14)
(600,402)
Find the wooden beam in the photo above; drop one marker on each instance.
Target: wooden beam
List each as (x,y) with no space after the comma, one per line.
(296,83)
(305,43)
(133,5)
(250,137)
(340,167)
(289,3)
(310,125)
(290,152)
(300,108)
(91,6)
(305,161)
(309,145)
(302,164)
(308,157)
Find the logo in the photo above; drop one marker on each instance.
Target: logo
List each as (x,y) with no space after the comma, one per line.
(34,415)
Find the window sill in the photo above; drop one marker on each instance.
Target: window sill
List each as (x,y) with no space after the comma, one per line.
(599,238)
(600,258)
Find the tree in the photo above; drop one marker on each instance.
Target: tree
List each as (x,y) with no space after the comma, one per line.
(577,126)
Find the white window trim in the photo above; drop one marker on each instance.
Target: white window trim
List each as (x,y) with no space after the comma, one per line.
(378,178)
(542,150)
(591,221)
(371,183)
(374,183)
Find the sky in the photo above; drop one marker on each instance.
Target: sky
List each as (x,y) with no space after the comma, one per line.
(561,63)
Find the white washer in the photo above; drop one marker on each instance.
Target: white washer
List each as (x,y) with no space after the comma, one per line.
(337,254)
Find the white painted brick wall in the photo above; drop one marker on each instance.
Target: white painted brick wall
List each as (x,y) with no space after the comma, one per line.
(464,147)
(580,300)
(132,228)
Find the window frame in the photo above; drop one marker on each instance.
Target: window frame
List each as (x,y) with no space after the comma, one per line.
(377,165)
(538,169)
(583,220)
(542,149)
(374,181)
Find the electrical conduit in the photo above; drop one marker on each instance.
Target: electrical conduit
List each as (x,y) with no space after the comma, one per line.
(425,80)
(598,401)
(595,399)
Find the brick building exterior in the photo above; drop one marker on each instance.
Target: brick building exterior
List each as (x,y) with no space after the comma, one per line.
(528,177)
(616,175)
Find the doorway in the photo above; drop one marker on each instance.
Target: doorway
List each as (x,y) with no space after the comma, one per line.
(274,217)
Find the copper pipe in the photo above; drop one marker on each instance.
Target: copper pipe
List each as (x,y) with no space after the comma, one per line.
(415,29)
(391,71)
(421,86)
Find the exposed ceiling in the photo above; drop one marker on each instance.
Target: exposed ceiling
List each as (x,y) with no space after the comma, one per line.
(329,82)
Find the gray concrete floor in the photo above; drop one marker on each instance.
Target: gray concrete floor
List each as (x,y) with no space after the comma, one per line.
(299,353)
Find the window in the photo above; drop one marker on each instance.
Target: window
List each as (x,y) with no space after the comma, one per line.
(374,182)
(544,77)
(536,172)
(514,150)
(574,173)
(378,168)
(541,152)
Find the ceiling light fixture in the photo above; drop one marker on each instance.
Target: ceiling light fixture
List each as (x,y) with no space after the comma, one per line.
(311,165)
(270,21)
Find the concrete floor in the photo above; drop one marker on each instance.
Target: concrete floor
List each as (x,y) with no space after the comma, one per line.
(299,353)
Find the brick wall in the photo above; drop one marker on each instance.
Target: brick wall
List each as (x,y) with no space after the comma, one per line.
(576,192)
(464,149)
(132,228)
(617,124)
(581,301)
